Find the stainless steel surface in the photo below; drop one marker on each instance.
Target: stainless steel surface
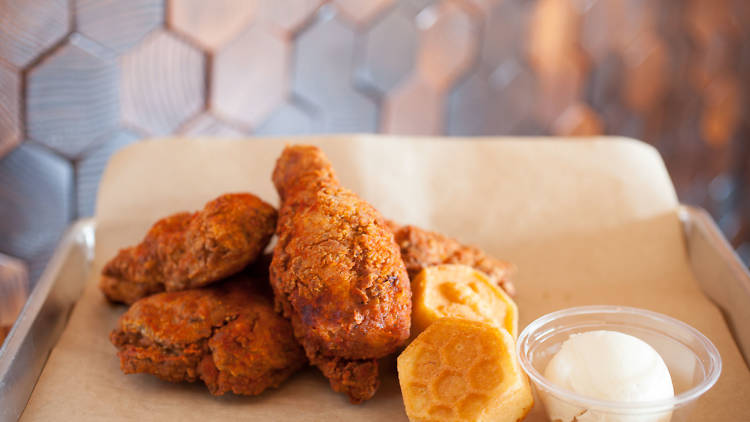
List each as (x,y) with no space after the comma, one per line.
(43,318)
(720,273)
(14,288)
(716,267)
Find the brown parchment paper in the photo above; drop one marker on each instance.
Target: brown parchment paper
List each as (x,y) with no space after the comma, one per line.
(586,222)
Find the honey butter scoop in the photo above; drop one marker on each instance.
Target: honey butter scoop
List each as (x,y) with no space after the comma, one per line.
(461,370)
(460,291)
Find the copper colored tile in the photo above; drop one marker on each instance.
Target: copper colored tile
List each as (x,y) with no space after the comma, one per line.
(289,119)
(36,202)
(10,109)
(389,51)
(708,20)
(72,98)
(552,40)
(558,89)
(210,23)
(29,27)
(721,114)
(207,124)
(646,73)
(601,27)
(637,17)
(362,11)
(414,108)
(288,15)
(89,169)
(505,32)
(250,76)
(485,6)
(118,24)
(162,84)
(448,44)
(578,120)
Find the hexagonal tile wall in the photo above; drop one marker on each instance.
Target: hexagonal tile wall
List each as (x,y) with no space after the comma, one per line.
(390,45)
(117,24)
(487,103)
(250,76)
(210,23)
(289,119)
(289,15)
(36,191)
(89,169)
(666,72)
(415,108)
(162,84)
(362,11)
(448,43)
(72,97)
(206,124)
(504,34)
(10,108)
(578,120)
(323,74)
(29,27)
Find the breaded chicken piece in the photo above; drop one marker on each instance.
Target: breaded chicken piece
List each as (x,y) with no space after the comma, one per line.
(421,248)
(188,250)
(226,335)
(337,274)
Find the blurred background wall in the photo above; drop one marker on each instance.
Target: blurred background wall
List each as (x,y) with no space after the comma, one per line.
(81,78)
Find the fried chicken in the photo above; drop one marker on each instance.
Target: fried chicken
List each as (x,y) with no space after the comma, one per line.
(421,248)
(337,274)
(188,250)
(227,335)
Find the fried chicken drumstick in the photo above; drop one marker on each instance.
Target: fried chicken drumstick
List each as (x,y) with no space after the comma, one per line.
(421,248)
(188,250)
(337,274)
(227,335)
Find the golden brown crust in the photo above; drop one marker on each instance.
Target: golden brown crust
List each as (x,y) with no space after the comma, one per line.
(187,250)
(226,335)
(421,248)
(336,272)
(359,379)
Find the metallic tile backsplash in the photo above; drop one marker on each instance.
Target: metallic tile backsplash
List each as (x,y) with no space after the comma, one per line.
(80,79)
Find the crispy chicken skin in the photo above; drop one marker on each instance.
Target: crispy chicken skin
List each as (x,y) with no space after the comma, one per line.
(337,274)
(421,248)
(227,335)
(188,250)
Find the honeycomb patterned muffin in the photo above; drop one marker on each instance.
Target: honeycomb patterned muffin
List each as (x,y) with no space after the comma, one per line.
(461,370)
(460,291)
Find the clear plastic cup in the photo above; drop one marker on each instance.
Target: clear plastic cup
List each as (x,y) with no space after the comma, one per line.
(693,361)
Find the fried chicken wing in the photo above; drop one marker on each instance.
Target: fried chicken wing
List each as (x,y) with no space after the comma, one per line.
(188,250)
(337,274)
(421,248)
(227,335)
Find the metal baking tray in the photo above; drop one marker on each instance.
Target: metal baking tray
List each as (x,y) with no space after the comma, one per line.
(717,268)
